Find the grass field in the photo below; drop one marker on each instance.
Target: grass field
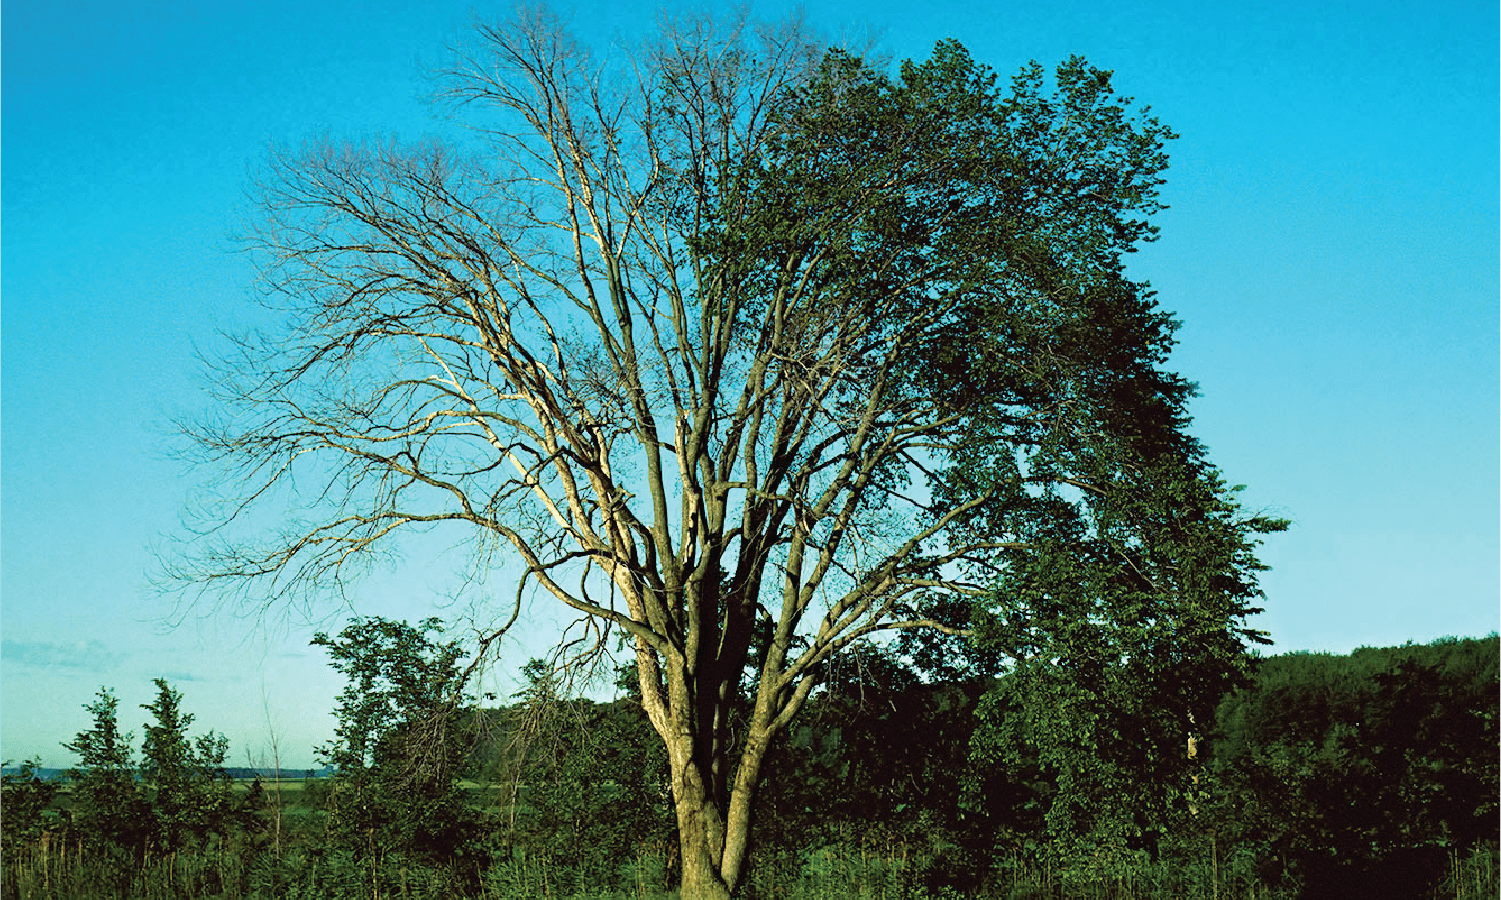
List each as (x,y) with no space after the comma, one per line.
(54,870)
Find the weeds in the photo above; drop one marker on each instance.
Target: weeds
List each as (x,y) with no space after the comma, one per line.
(51,870)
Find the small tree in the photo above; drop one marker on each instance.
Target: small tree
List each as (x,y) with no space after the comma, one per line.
(27,799)
(184,779)
(108,808)
(398,749)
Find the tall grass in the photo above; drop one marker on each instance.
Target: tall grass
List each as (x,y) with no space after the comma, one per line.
(49,869)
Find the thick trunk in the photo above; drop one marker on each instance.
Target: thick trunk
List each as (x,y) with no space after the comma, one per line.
(690,700)
(701,832)
(715,841)
(701,879)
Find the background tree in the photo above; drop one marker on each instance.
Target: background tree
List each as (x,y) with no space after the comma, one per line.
(184,779)
(108,808)
(878,761)
(583,783)
(27,798)
(732,340)
(1360,773)
(399,750)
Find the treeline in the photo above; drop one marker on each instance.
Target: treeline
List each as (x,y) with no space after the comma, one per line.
(1360,775)
(1372,775)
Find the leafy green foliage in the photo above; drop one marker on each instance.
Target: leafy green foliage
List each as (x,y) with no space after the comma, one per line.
(108,807)
(580,783)
(881,761)
(1125,635)
(183,779)
(177,798)
(27,797)
(1373,774)
(1364,773)
(399,750)
(1120,568)
(974,239)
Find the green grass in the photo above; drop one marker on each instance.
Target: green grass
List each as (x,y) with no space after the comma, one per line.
(53,871)
(297,866)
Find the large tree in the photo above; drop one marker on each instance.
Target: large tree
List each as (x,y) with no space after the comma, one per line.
(744,347)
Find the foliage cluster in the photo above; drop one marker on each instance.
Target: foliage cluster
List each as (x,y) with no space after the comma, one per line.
(399,748)
(1361,774)
(121,814)
(1375,771)
(27,801)
(573,773)
(179,796)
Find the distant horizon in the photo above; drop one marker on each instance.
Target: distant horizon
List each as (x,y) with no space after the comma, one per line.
(50,773)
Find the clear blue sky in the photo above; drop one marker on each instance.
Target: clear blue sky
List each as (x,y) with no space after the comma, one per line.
(1332,249)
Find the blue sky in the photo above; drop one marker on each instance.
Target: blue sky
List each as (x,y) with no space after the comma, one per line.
(1331,248)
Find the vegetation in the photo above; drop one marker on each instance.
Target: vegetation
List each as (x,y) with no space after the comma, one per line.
(183,782)
(1374,773)
(27,799)
(398,752)
(753,353)
(110,810)
(1364,774)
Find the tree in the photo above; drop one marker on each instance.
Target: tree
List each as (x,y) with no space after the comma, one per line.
(1117,629)
(28,796)
(398,750)
(185,781)
(107,805)
(584,780)
(736,342)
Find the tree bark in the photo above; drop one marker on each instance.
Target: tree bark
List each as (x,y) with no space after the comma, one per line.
(742,803)
(701,828)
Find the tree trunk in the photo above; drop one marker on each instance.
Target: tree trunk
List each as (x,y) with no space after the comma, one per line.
(714,828)
(742,800)
(701,832)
